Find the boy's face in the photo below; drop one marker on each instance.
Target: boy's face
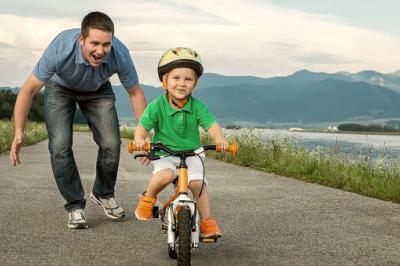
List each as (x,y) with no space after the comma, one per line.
(96,46)
(181,82)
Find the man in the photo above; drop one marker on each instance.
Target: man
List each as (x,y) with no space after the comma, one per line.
(75,70)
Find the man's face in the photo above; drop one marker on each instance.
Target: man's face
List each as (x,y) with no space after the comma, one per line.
(96,46)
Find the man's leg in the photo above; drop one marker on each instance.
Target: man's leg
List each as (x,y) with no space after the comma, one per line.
(60,107)
(99,109)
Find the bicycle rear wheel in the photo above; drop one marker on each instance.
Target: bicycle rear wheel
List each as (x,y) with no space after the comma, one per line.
(184,237)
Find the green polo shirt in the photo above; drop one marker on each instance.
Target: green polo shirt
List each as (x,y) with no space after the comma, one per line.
(177,129)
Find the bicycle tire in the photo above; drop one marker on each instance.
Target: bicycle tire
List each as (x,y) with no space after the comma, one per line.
(184,237)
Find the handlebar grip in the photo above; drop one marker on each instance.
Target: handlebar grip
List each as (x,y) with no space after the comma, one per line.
(233,148)
(132,147)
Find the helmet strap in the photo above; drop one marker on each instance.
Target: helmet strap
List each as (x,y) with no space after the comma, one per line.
(178,103)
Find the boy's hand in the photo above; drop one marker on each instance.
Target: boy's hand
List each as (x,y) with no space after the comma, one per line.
(222,143)
(148,138)
(140,142)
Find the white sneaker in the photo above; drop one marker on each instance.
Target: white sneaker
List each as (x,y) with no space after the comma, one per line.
(77,219)
(110,206)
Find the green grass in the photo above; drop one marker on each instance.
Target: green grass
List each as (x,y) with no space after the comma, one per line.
(34,133)
(283,156)
(127,134)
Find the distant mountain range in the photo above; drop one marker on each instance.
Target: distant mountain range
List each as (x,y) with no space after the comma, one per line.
(303,98)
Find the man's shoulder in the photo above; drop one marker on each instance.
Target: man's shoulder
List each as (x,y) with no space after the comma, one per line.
(70,35)
(71,32)
(119,47)
(120,56)
(65,40)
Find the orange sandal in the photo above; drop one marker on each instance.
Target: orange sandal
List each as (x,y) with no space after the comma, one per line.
(144,211)
(209,229)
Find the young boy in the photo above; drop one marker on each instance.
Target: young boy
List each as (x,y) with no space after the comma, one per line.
(175,117)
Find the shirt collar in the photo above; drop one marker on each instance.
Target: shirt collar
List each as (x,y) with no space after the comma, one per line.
(171,111)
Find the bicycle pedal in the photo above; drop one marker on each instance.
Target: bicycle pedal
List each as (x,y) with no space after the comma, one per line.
(164,227)
(208,240)
(156,212)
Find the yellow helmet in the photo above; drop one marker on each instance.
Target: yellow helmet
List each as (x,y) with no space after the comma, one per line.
(179,57)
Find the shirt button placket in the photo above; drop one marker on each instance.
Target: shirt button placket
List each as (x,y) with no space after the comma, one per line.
(181,123)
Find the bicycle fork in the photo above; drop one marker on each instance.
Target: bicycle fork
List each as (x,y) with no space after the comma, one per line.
(183,201)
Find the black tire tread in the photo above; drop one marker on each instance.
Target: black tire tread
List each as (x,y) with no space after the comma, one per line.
(184,241)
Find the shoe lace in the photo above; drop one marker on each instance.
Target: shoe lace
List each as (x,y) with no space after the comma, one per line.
(113,203)
(78,215)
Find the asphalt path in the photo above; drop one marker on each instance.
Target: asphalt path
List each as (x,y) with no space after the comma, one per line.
(266,219)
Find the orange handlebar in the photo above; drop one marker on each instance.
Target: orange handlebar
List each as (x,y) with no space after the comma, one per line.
(132,147)
(232,148)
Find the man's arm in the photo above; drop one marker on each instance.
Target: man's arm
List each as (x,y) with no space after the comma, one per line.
(21,110)
(138,100)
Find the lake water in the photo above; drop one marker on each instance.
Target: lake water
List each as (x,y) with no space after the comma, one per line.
(373,146)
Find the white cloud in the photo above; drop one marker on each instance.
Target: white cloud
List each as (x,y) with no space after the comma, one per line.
(234,38)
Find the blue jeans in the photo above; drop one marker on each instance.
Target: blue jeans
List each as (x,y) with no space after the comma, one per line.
(99,109)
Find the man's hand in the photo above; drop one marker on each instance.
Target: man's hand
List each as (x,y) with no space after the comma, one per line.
(21,110)
(16,145)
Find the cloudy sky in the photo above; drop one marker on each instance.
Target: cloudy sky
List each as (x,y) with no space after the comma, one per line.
(236,37)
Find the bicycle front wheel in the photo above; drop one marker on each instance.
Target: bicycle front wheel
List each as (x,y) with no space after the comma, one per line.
(184,237)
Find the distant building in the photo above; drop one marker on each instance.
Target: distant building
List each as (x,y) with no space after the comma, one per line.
(333,129)
(295,129)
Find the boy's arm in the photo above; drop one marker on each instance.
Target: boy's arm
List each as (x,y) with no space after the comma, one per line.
(217,135)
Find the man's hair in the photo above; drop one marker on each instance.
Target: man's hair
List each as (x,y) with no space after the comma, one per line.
(96,20)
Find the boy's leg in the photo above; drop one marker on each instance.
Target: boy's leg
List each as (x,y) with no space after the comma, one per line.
(159,181)
(208,226)
(203,203)
(144,210)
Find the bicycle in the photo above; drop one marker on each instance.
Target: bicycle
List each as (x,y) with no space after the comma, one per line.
(179,214)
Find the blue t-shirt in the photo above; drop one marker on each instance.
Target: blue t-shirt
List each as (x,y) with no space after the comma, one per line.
(63,63)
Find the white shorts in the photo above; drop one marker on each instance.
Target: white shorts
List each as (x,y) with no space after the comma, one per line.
(195,166)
